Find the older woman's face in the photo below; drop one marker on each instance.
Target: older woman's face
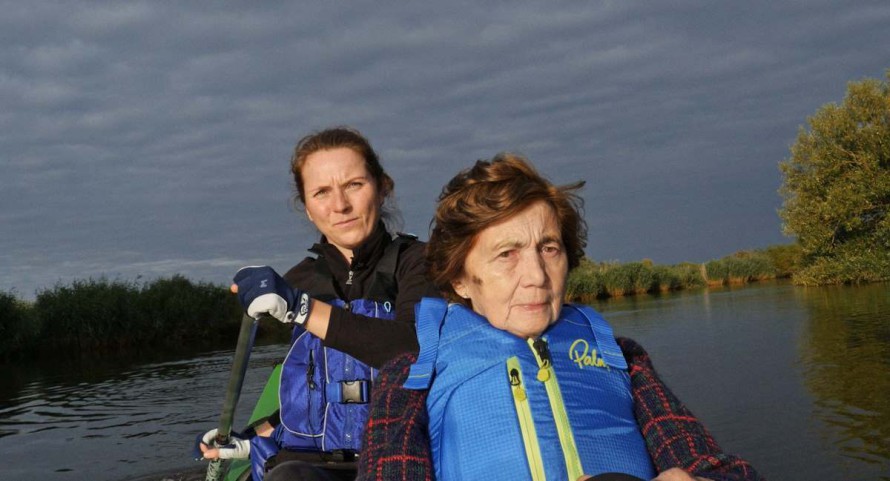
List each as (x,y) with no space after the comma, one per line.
(515,274)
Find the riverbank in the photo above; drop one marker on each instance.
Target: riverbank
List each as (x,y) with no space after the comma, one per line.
(601,280)
(98,317)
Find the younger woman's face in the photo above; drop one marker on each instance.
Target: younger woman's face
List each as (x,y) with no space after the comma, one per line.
(341,197)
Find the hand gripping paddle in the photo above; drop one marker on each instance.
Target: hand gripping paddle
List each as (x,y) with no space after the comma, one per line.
(218,467)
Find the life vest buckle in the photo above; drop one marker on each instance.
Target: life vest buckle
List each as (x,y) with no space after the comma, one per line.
(349,392)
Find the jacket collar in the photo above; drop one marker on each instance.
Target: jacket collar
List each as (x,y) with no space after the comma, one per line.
(368,253)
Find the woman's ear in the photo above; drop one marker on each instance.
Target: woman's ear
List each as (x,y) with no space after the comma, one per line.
(460,288)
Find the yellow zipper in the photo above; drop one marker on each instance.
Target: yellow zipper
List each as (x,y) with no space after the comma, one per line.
(526,424)
(547,375)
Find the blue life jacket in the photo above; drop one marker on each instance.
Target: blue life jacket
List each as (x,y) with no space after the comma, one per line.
(562,403)
(323,393)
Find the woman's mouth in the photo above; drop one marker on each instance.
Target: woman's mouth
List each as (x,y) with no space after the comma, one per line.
(346,223)
(533,306)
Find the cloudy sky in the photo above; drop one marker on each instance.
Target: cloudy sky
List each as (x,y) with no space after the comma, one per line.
(142,139)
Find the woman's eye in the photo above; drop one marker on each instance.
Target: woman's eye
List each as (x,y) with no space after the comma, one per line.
(505,254)
(355,185)
(320,193)
(550,249)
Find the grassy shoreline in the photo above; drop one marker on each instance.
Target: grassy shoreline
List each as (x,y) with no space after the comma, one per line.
(98,317)
(601,280)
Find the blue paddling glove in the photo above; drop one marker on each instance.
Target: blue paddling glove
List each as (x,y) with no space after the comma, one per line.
(262,291)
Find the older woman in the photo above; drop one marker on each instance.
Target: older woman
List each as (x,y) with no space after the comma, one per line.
(511,383)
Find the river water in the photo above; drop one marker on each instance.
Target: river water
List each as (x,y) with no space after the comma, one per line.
(796,380)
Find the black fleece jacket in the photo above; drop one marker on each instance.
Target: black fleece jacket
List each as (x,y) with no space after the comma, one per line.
(368,339)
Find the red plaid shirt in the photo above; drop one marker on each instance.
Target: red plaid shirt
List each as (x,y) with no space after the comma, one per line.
(397,447)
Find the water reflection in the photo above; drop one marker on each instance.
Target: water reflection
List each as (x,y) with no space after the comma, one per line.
(110,421)
(846,357)
(793,379)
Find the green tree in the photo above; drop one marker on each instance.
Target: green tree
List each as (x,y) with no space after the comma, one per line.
(837,188)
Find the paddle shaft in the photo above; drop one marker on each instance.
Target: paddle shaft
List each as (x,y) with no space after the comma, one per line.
(216,469)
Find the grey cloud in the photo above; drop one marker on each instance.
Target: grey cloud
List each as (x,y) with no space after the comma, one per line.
(150,137)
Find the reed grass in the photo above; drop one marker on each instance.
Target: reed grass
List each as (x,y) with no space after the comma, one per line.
(18,330)
(592,280)
(740,268)
(598,280)
(99,316)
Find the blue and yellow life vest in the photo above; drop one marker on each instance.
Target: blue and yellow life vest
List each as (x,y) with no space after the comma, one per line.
(502,407)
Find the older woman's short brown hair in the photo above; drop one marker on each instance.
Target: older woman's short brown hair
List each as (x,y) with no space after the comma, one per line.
(490,192)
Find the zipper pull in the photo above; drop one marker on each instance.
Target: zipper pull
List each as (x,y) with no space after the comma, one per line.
(349,279)
(310,371)
(516,382)
(543,351)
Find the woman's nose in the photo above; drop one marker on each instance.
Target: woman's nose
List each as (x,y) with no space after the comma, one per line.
(532,270)
(341,202)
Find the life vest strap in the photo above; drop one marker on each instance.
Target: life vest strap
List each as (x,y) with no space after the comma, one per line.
(429,313)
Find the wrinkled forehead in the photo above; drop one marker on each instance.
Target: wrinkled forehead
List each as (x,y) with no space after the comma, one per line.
(532,226)
(325,166)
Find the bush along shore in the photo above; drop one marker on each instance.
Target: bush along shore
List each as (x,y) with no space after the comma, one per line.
(102,317)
